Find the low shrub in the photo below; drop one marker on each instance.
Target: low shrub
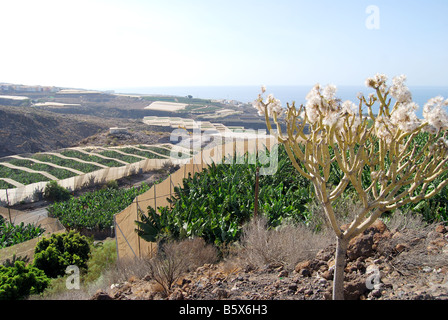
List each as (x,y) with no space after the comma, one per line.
(53,255)
(101,257)
(55,192)
(287,244)
(174,258)
(19,281)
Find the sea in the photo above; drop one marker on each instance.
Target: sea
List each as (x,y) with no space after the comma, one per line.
(247,94)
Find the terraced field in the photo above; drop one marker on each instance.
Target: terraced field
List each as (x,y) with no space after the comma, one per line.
(69,163)
(72,162)
(119,156)
(6,185)
(91,158)
(159,150)
(141,153)
(57,172)
(21,176)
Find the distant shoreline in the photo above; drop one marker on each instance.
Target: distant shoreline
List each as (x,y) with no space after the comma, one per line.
(247,94)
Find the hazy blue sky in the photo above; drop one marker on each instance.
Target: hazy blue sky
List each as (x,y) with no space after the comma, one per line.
(101,44)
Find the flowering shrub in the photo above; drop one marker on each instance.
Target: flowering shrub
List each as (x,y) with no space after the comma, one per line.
(378,154)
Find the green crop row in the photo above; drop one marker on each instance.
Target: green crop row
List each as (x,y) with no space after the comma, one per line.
(94,210)
(6,185)
(92,158)
(80,166)
(119,156)
(161,151)
(57,172)
(166,152)
(21,176)
(145,154)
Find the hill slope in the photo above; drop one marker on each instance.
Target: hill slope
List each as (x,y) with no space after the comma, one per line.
(25,130)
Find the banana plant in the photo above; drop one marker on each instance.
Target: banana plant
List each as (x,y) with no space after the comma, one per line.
(150,226)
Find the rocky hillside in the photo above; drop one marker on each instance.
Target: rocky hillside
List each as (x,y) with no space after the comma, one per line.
(383,264)
(29,130)
(24,130)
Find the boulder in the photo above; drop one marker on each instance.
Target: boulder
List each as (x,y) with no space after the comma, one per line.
(101,295)
(354,288)
(440,229)
(176,295)
(365,244)
(360,246)
(304,268)
(302,265)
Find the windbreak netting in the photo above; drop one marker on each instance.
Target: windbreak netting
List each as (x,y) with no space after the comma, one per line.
(129,244)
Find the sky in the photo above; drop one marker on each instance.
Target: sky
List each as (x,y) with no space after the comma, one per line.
(100,44)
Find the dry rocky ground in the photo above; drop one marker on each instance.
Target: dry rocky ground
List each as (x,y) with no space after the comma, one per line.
(382,264)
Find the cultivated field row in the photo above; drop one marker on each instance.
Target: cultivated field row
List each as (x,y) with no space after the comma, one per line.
(24,176)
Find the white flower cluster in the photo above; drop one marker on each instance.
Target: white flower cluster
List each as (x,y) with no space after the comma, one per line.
(435,114)
(377,81)
(323,107)
(440,146)
(322,102)
(273,105)
(384,129)
(403,116)
(399,91)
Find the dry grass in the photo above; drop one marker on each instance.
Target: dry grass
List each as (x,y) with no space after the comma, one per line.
(290,244)
(125,270)
(345,208)
(195,252)
(416,239)
(176,258)
(287,244)
(400,221)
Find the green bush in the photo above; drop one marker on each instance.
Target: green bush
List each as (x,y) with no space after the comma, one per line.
(55,192)
(113,184)
(53,255)
(19,281)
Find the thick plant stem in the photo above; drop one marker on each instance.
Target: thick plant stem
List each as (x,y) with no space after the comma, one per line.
(338,280)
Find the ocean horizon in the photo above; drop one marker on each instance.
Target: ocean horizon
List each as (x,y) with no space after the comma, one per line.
(286,94)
